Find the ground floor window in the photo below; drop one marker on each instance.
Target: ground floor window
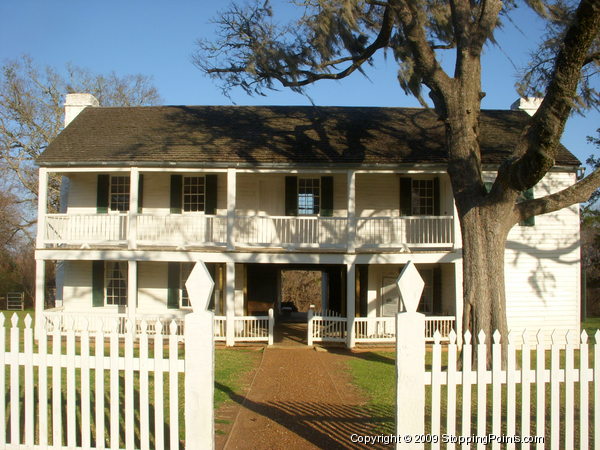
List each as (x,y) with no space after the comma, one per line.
(116,283)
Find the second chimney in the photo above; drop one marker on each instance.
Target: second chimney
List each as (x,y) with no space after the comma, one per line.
(75,103)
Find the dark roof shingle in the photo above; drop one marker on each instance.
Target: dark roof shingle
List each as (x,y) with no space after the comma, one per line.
(256,135)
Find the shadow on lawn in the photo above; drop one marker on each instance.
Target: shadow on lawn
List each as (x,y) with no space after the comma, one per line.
(323,424)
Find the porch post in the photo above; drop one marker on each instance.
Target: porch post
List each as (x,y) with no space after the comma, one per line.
(132,291)
(351,211)
(350,303)
(42,207)
(230,303)
(231,188)
(133,207)
(40,295)
(458,300)
(456,223)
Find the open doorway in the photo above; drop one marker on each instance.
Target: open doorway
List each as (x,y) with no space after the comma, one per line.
(299,290)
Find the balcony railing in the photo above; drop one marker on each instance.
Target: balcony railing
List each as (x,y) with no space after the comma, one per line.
(281,231)
(249,231)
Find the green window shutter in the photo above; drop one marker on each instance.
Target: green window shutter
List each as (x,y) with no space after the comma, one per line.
(210,194)
(405,196)
(102,193)
(437,290)
(97,283)
(436,196)
(530,221)
(291,196)
(140,193)
(176,193)
(173,285)
(327,196)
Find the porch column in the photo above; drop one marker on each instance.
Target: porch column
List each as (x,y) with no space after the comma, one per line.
(42,207)
(132,287)
(458,299)
(40,295)
(456,224)
(231,187)
(350,303)
(230,303)
(134,180)
(351,211)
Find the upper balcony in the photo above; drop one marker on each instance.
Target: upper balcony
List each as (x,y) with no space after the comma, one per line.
(203,231)
(340,212)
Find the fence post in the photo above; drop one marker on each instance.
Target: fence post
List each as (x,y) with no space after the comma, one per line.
(271,323)
(199,380)
(410,368)
(309,337)
(410,360)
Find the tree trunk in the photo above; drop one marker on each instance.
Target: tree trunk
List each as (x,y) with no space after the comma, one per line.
(484,234)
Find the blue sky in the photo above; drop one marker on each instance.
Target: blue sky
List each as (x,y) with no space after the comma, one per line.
(157,38)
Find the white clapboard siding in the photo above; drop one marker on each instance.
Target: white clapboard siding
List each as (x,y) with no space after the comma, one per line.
(75,416)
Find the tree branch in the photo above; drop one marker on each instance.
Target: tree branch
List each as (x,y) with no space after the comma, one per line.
(537,148)
(578,193)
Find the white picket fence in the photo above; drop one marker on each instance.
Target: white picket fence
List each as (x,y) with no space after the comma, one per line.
(96,391)
(531,396)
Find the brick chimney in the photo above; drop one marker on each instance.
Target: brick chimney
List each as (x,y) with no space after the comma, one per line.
(75,103)
(528,104)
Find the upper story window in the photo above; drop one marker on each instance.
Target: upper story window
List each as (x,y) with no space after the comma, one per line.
(419,196)
(115,281)
(119,193)
(113,193)
(309,190)
(422,198)
(305,196)
(194,194)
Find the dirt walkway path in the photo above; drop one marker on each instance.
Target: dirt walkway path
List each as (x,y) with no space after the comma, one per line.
(300,399)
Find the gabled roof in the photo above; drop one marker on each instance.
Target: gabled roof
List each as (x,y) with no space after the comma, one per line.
(273,135)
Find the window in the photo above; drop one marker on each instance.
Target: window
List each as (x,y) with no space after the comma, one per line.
(193,194)
(116,283)
(422,198)
(119,193)
(186,269)
(308,196)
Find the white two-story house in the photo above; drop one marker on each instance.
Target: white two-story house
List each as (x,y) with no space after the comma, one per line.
(353,193)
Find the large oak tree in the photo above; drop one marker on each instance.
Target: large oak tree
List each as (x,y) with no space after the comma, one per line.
(334,38)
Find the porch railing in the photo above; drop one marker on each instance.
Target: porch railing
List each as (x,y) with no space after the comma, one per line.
(370,329)
(415,231)
(246,328)
(250,231)
(86,228)
(92,322)
(181,230)
(266,231)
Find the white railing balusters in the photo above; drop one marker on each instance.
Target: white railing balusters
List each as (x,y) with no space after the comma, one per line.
(253,231)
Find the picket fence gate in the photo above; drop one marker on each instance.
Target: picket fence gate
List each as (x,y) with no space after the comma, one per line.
(69,392)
